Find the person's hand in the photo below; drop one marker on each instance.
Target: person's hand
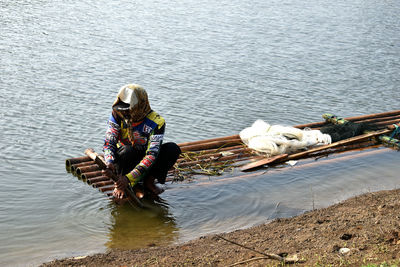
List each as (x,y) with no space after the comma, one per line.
(109,170)
(120,187)
(122,182)
(110,166)
(118,195)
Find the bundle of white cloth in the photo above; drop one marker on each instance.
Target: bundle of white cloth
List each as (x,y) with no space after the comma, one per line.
(277,139)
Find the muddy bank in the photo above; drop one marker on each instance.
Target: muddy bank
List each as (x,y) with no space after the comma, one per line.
(359,231)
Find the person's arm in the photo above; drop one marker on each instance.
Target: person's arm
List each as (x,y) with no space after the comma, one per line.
(153,149)
(113,133)
(111,139)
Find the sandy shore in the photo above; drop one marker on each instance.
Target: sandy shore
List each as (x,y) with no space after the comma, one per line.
(359,231)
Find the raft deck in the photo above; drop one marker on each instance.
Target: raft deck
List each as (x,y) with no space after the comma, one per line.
(217,155)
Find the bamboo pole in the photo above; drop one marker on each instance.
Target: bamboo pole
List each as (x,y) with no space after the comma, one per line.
(69,162)
(131,196)
(338,120)
(92,174)
(381,124)
(209,145)
(353,119)
(90,168)
(81,164)
(96,179)
(224,138)
(106,188)
(379,119)
(345,148)
(311,125)
(387,123)
(374,115)
(339,143)
(263,161)
(102,183)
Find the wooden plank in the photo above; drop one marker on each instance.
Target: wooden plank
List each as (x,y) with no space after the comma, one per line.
(339,143)
(262,162)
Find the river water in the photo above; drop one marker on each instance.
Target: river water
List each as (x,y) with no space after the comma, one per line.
(211,68)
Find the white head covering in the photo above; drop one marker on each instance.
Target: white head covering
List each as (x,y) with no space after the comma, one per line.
(136,97)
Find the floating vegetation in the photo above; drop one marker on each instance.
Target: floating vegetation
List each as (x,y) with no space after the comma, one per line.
(210,169)
(203,162)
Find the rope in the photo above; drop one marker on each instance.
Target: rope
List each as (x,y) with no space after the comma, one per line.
(395,132)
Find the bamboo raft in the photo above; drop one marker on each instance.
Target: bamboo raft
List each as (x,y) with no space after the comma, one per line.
(217,155)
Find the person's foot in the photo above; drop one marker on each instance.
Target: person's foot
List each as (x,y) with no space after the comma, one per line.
(157,190)
(149,184)
(138,192)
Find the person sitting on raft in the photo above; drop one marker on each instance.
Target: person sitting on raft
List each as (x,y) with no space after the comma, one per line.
(133,145)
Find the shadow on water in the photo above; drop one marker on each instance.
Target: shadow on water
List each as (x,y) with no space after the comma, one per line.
(137,228)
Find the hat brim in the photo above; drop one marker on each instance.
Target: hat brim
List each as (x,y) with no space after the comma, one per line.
(121,106)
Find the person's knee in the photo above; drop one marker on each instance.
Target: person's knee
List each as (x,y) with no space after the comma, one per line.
(172,149)
(125,152)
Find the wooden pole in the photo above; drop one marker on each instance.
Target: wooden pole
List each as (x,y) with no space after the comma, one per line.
(212,144)
(106,188)
(83,169)
(97,179)
(81,164)
(353,119)
(387,123)
(339,143)
(102,164)
(263,161)
(224,138)
(88,175)
(375,115)
(103,183)
(69,162)
(380,119)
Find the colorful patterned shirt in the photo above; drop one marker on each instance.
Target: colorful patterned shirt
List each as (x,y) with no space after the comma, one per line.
(147,137)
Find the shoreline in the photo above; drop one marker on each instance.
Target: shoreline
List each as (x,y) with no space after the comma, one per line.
(361,230)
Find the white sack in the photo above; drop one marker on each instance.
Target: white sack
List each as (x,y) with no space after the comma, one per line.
(277,139)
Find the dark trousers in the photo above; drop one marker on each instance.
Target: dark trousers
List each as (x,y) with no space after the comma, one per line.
(128,157)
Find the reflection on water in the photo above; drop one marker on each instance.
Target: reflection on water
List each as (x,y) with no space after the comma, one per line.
(136,228)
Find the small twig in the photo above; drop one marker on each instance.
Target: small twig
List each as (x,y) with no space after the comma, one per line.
(249,260)
(269,255)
